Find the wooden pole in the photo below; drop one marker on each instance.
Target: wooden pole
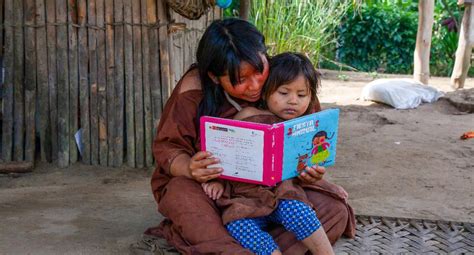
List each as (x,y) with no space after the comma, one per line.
(138,85)
(7,125)
(164,52)
(148,120)
(102,84)
(30,81)
(119,84)
(423,41)
(109,47)
(16,167)
(244,10)
(129,88)
(94,105)
(63,83)
(155,77)
(73,78)
(42,79)
(18,83)
(464,50)
(84,88)
(52,81)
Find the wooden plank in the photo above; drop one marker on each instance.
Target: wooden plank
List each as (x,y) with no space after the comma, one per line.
(154,60)
(18,83)
(129,91)
(84,88)
(138,85)
(16,167)
(119,83)
(63,83)
(42,79)
(2,30)
(165,62)
(101,84)
(7,122)
(147,112)
(94,105)
(109,46)
(30,81)
(73,79)
(52,135)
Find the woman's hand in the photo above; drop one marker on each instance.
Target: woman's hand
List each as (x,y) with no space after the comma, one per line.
(213,189)
(198,167)
(312,174)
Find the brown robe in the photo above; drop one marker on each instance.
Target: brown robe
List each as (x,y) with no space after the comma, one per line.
(194,224)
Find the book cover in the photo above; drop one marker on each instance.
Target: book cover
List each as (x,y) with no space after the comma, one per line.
(270,153)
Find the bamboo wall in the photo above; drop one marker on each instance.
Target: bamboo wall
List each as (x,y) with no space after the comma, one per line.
(105,67)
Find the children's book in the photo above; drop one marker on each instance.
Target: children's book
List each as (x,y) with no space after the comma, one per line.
(270,153)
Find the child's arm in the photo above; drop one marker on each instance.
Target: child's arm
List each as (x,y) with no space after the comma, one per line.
(213,189)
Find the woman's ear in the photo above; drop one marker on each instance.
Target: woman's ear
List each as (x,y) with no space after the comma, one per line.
(213,77)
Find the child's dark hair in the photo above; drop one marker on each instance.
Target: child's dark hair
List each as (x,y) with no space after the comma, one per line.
(223,47)
(285,68)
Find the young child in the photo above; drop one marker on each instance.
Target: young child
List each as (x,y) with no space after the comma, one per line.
(289,92)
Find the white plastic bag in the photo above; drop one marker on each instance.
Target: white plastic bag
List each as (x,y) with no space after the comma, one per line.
(400,93)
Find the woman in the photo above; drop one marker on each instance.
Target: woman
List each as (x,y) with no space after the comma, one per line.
(231,69)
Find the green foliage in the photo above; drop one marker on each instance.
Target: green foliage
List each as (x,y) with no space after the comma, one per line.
(378,38)
(380,35)
(298,25)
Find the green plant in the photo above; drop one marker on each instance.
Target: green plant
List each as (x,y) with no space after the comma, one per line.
(378,37)
(298,25)
(343,77)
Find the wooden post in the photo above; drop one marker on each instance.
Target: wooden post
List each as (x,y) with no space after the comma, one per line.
(84,88)
(7,128)
(244,9)
(155,77)
(147,111)
(73,78)
(109,47)
(164,51)
(129,92)
(119,83)
(42,78)
(465,44)
(138,85)
(63,83)
(423,41)
(53,96)
(30,81)
(18,83)
(101,84)
(94,105)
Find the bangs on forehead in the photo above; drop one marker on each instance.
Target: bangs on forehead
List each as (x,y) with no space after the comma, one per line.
(232,68)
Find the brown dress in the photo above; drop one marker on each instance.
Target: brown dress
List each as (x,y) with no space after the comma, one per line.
(194,223)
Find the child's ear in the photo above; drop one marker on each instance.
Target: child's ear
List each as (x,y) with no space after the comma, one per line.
(213,77)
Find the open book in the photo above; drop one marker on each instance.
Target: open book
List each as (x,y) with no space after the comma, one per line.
(268,154)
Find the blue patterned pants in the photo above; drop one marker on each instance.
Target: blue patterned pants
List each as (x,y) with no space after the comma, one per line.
(294,215)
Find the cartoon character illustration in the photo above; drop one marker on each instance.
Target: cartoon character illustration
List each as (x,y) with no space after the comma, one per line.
(301,162)
(290,132)
(320,150)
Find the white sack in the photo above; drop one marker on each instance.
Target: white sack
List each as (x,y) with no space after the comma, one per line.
(400,93)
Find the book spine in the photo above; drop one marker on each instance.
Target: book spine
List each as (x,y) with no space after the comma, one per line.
(277,151)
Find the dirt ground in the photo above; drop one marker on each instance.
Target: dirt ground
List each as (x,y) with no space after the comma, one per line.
(400,163)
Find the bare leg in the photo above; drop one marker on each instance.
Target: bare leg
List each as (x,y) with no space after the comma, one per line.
(318,243)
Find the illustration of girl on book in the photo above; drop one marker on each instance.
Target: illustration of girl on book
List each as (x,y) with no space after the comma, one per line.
(320,150)
(247,209)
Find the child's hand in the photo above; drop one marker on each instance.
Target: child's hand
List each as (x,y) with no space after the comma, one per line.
(213,189)
(312,174)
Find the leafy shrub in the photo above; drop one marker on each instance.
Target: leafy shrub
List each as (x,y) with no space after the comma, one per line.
(378,37)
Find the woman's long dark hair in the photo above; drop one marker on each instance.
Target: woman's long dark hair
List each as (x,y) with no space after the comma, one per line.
(223,47)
